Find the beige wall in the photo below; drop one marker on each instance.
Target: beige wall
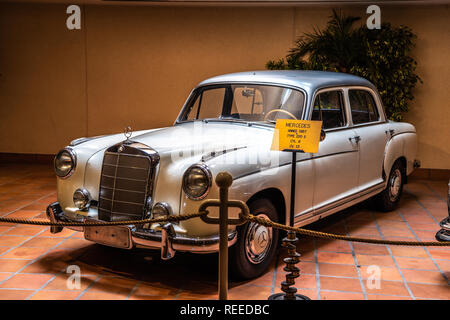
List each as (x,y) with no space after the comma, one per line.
(136,65)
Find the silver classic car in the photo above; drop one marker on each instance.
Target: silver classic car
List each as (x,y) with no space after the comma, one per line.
(227,124)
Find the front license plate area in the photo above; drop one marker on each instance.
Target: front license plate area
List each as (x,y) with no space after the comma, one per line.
(114,236)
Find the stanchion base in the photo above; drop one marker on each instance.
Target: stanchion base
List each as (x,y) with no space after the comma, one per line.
(281,295)
(443,235)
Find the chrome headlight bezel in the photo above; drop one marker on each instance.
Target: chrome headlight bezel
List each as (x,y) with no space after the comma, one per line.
(206,172)
(86,199)
(68,151)
(164,208)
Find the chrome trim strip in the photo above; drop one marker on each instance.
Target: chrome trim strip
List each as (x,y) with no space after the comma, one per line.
(134,155)
(214,154)
(105,175)
(123,190)
(337,203)
(117,166)
(123,214)
(183,244)
(403,132)
(288,163)
(343,206)
(121,201)
(350,198)
(81,140)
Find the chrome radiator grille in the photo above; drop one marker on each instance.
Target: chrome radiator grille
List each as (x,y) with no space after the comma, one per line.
(126,183)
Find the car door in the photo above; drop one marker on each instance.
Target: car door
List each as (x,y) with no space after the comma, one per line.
(336,163)
(371,134)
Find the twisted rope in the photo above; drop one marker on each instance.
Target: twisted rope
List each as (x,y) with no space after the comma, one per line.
(250,217)
(90,223)
(325,235)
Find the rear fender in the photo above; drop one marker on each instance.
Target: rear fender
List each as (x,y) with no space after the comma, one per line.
(400,145)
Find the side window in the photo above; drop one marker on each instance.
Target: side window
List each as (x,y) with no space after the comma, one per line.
(194,110)
(208,104)
(363,106)
(329,107)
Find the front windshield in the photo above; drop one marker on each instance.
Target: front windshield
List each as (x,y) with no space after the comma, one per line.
(244,102)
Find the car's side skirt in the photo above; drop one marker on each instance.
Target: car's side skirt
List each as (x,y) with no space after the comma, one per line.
(322,212)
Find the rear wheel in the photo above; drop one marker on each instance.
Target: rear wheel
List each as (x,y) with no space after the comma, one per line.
(256,245)
(389,198)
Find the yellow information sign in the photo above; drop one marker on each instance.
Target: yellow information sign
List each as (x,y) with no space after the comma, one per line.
(299,135)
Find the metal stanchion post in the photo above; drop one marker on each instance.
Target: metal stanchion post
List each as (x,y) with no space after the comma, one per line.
(224,182)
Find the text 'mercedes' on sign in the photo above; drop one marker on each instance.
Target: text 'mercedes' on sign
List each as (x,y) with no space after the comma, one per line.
(297,135)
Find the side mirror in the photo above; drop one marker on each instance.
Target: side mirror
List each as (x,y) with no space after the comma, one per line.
(322,135)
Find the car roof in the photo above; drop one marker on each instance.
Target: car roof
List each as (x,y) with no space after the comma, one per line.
(308,80)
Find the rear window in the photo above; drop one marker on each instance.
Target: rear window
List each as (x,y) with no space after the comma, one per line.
(363,106)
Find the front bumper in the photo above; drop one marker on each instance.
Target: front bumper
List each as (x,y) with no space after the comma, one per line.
(129,236)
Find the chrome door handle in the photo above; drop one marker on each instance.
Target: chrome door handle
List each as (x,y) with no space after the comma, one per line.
(356,138)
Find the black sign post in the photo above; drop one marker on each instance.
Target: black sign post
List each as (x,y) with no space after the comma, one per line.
(294,136)
(289,242)
(293,178)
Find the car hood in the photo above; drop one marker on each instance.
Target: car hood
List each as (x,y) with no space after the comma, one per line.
(207,140)
(179,147)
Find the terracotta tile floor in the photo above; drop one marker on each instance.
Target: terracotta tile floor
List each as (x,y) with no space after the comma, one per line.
(34,262)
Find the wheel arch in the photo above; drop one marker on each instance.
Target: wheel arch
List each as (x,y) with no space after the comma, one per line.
(403,161)
(276,197)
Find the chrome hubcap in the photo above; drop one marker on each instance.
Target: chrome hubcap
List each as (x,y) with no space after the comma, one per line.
(258,241)
(395,184)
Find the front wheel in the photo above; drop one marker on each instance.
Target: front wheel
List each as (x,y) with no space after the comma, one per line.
(256,245)
(388,199)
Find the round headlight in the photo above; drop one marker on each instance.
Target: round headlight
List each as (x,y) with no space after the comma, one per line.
(161,209)
(65,162)
(197,181)
(81,198)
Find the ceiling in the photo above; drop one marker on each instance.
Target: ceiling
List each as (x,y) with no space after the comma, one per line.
(239,2)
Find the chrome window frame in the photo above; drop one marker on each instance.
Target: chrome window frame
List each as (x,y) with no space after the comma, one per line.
(345,107)
(376,97)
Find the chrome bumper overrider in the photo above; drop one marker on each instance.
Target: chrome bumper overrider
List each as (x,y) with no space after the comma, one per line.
(166,240)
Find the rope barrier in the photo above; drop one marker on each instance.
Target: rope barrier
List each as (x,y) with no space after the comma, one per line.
(249,217)
(325,235)
(91,223)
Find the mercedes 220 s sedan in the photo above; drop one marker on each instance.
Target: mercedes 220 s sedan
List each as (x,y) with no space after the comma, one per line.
(227,124)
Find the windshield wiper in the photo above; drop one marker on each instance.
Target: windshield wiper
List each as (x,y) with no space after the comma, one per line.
(241,121)
(224,119)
